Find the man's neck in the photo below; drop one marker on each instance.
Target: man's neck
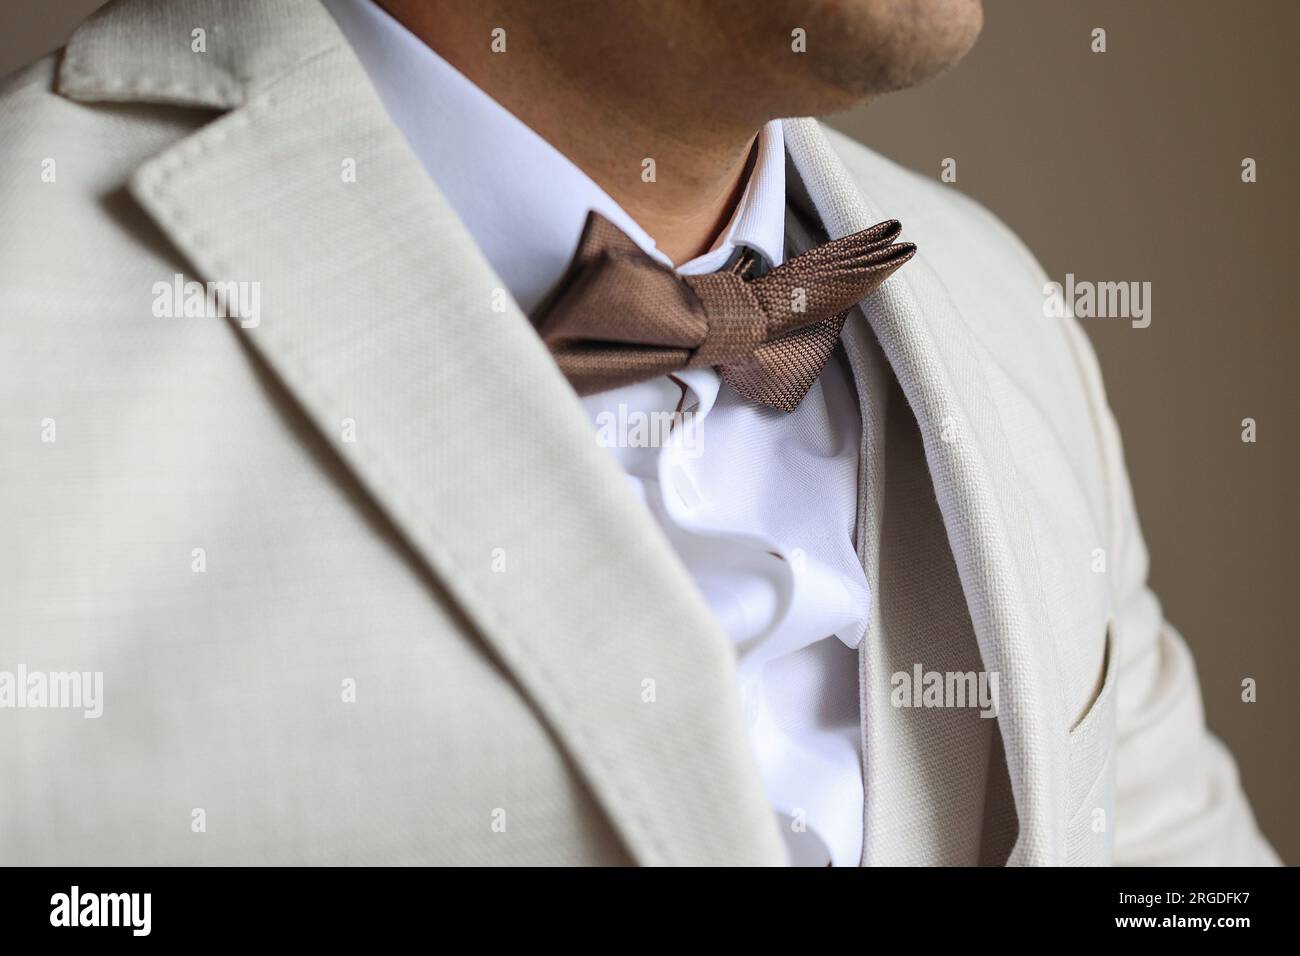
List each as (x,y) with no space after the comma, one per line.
(679,181)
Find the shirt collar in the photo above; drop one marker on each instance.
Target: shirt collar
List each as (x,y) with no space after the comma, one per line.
(521,199)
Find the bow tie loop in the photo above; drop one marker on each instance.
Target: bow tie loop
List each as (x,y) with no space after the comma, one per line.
(631,290)
(830,278)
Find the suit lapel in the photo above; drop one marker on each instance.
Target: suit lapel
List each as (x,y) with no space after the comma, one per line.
(381,318)
(931,353)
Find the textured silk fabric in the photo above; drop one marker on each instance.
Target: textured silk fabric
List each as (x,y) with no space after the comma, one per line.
(758,504)
(618,317)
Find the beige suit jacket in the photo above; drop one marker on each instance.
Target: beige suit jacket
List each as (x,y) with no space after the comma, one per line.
(428,623)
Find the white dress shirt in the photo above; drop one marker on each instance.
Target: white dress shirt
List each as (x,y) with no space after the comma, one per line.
(759,504)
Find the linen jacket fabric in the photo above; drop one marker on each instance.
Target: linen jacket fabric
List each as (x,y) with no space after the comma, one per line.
(396,491)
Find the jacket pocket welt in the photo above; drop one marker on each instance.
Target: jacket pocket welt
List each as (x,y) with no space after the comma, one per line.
(1091,767)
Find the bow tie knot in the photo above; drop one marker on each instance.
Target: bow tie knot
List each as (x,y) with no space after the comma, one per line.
(619,317)
(729,306)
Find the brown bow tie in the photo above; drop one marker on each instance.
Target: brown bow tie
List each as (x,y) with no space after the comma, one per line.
(619,317)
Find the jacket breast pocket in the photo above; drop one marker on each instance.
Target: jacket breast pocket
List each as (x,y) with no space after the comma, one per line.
(1091,770)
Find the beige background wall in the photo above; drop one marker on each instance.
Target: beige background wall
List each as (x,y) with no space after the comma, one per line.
(1125,165)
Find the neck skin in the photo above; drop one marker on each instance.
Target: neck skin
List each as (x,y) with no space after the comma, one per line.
(606,123)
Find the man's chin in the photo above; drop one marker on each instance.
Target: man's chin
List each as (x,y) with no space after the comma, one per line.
(898,44)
